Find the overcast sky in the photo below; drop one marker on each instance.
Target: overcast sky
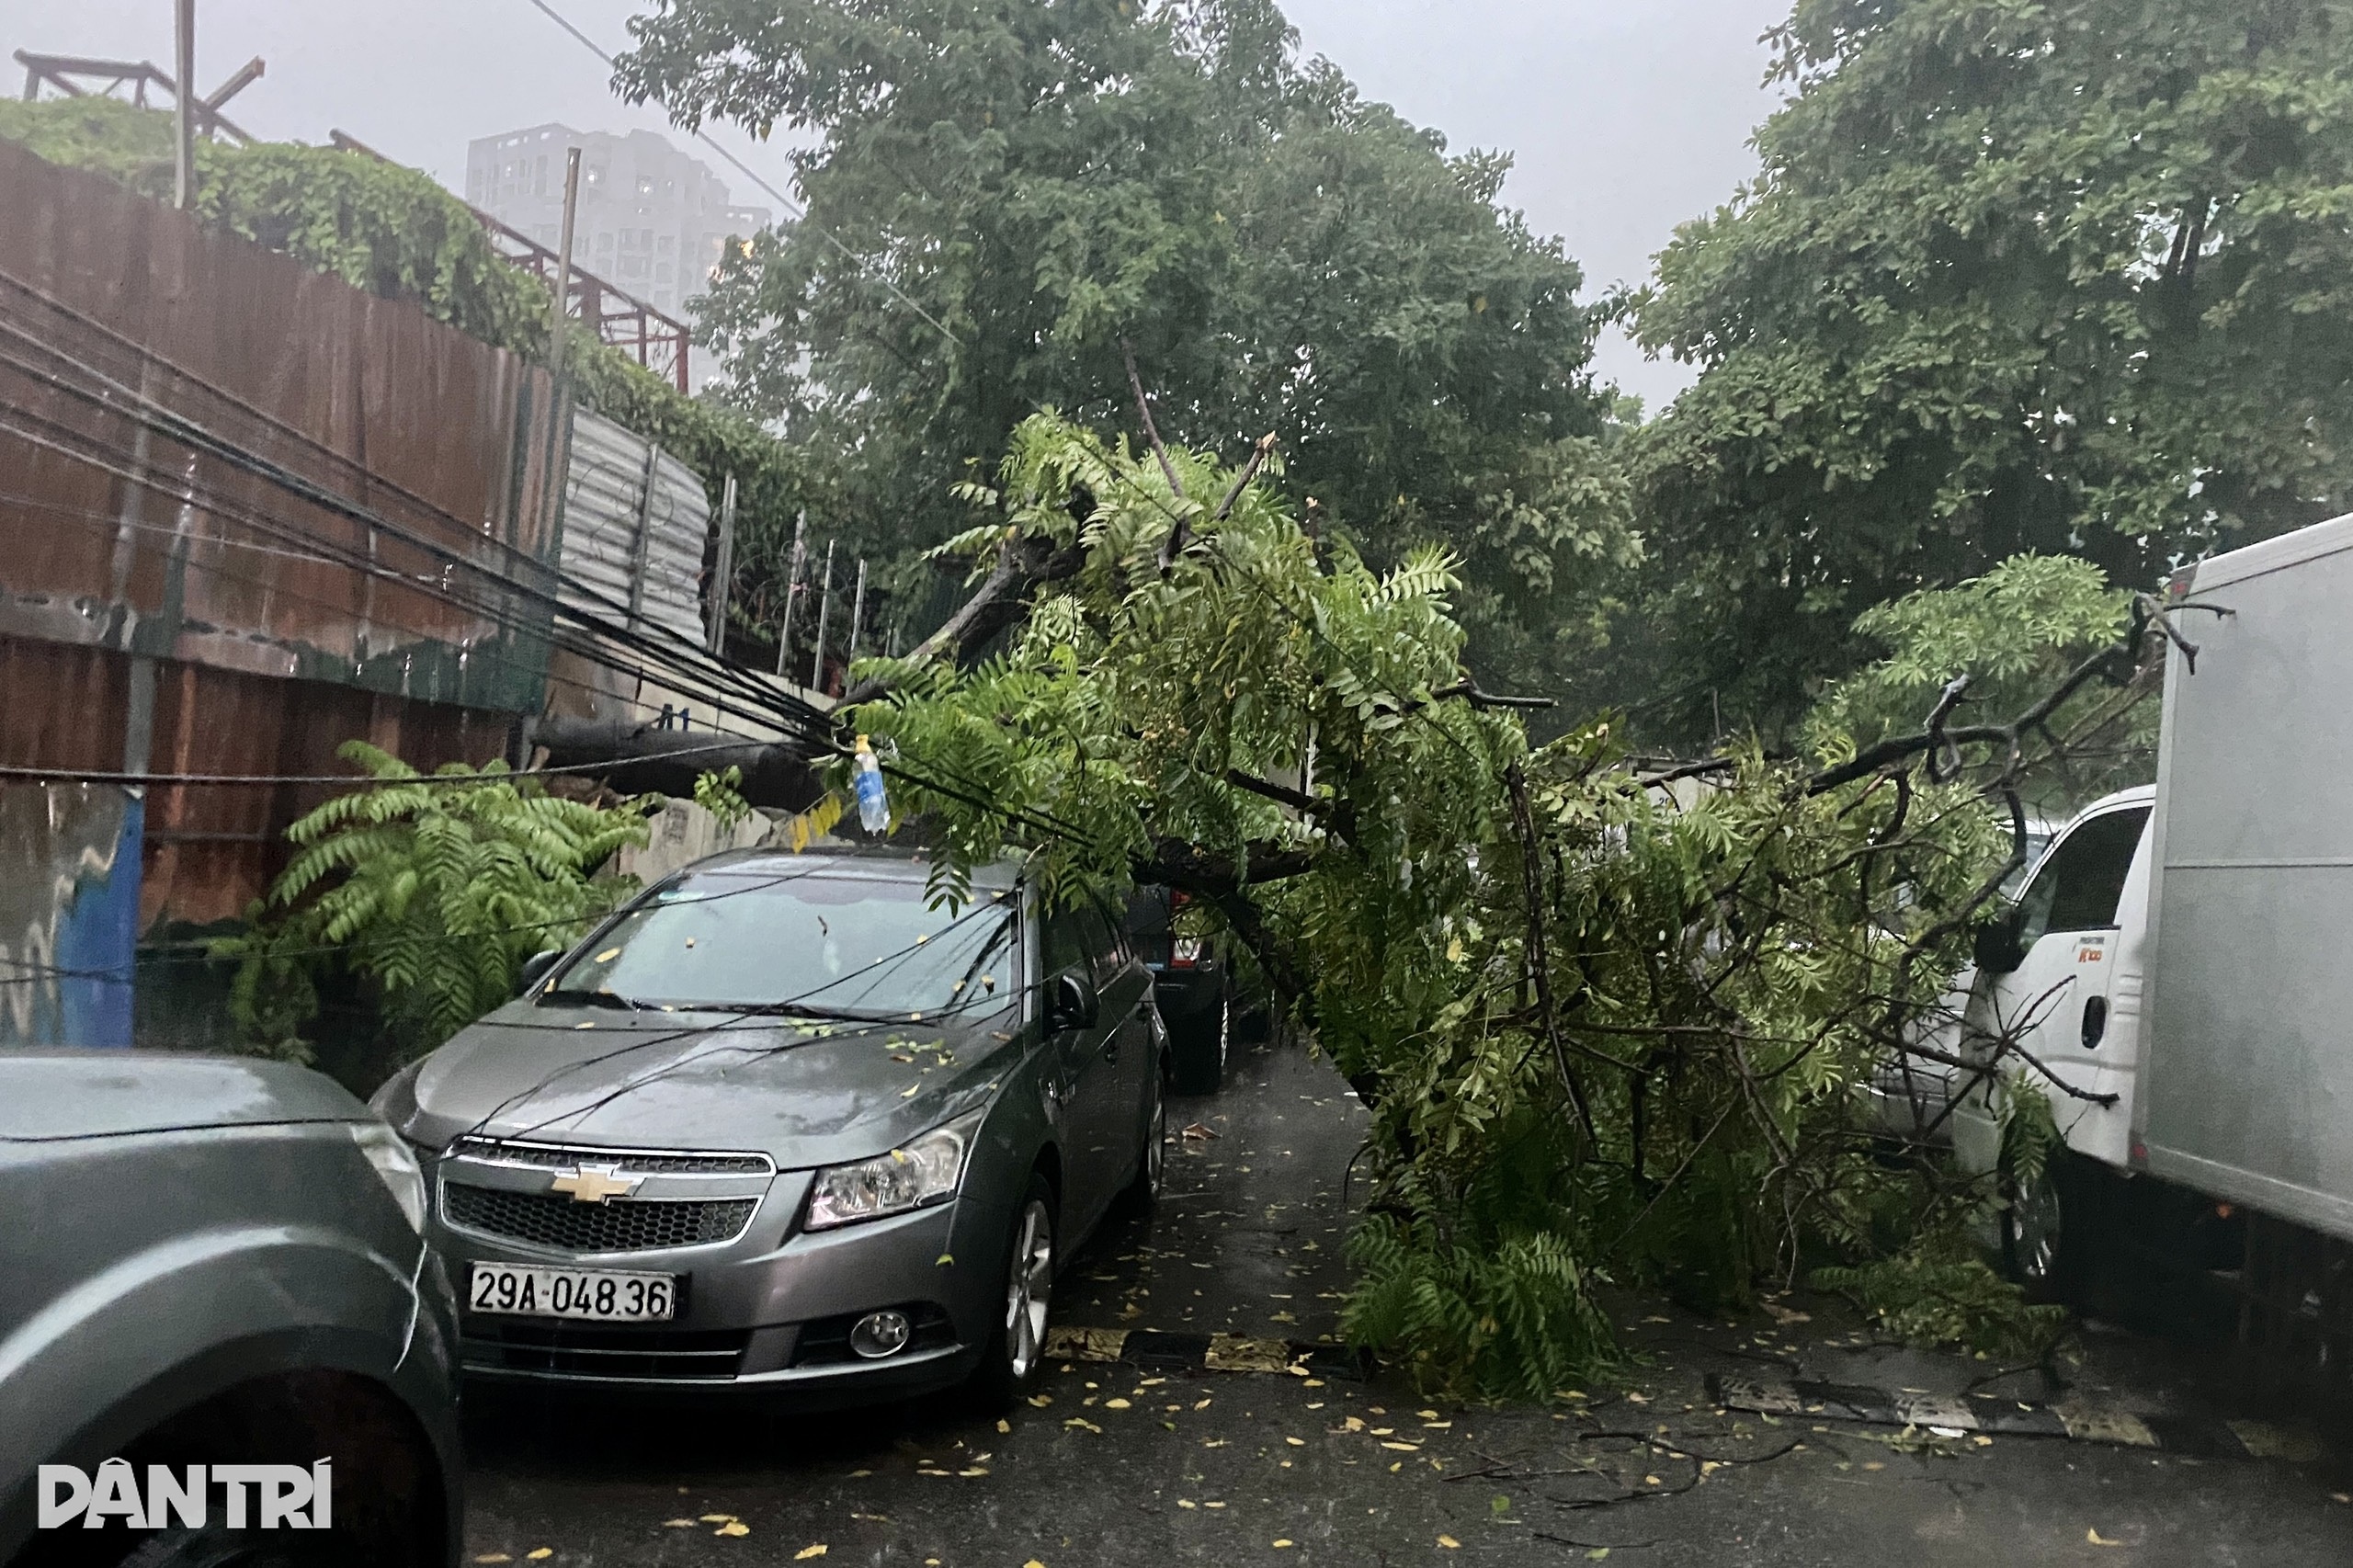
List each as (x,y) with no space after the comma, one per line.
(1627,116)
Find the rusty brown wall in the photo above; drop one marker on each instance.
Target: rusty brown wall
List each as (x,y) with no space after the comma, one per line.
(348,589)
(116,532)
(210,850)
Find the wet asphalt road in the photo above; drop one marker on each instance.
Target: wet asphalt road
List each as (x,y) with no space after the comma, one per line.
(1122,1467)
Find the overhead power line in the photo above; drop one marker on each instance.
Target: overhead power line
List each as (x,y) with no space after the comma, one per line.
(799,215)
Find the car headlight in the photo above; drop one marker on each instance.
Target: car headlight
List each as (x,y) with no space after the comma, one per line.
(925,1171)
(395,1167)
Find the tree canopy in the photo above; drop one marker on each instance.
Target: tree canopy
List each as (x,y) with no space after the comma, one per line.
(1000,195)
(2062,276)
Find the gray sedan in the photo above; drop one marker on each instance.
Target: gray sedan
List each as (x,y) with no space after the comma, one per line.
(786,1124)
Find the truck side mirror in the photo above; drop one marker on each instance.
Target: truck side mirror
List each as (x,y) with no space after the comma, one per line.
(1997,949)
(536,967)
(1070,1003)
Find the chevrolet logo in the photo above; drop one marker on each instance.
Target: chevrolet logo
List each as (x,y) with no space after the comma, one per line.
(596,1184)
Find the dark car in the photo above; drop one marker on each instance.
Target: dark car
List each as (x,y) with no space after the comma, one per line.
(216,1263)
(791,1123)
(1207,1005)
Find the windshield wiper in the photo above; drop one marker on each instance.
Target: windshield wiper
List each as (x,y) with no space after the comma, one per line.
(589,999)
(768,1009)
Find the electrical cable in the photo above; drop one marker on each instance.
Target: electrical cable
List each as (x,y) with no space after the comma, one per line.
(794,710)
(670,646)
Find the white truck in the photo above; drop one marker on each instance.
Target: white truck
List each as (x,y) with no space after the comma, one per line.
(2183,956)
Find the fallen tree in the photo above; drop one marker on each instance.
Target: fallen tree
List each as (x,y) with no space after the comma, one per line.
(1608,1031)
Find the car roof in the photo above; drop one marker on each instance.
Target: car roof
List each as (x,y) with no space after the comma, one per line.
(881,862)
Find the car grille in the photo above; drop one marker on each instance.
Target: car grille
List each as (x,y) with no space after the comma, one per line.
(563,1224)
(595,1351)
(633,1162)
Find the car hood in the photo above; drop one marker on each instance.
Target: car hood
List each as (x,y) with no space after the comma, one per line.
(59,1092)
(805,1093)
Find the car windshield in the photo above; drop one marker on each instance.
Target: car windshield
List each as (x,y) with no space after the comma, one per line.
(797,941)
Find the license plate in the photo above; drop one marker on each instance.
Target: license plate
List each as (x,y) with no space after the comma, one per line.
(597,1294)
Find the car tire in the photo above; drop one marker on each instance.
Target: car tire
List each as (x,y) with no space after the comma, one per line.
(1197,1047)
(1016,1348)
(215,1548)
(1151,1165)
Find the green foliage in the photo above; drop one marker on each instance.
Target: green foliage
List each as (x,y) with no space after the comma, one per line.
(721,794)
(1943,1295)
(1044,181)
(1726,966)
(2016,631)
(2064,277)
(394,231)
(432,889)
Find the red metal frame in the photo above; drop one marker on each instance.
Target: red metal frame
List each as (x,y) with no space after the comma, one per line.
(660,341)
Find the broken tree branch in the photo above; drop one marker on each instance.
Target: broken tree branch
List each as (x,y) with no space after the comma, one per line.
(1536,953)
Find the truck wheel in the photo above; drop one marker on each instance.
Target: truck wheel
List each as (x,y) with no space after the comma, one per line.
(1199,1050)
(2045,1233)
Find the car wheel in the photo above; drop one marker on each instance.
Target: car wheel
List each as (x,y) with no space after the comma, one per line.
(219,1549)
(1016,1346)
(1151,1165)
(1200,1048)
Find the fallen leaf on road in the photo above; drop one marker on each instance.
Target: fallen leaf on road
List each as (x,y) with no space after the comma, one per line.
(1042,1400)
(1448,1543)
(1404,1448)
(1652,1481)
(733,1527)
(1282,1541)
(538,1554)
(1005,1426)
(1296,1442)
(806,1552)
(1186,1503)
(1196,1132)
(494,1557)
(2098,1539)
(678,1524)
(719,1518)
(1115,1404)
(974,1469)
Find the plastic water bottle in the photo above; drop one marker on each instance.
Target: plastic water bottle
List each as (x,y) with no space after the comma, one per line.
(873,799)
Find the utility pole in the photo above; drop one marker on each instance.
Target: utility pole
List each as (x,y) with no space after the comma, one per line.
(824,607)
(563,263)
(856,618)
(723,570)
(791,589)
(184,106)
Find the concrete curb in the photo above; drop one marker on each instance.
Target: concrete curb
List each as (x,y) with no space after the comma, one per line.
(2077,1420)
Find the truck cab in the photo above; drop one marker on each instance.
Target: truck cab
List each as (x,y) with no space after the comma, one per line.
(2063,974)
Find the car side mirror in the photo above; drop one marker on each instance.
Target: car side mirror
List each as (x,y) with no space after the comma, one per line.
(1070,1003)
(536,967)
(1997,949)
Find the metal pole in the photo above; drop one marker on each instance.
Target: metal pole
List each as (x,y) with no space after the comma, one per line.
(791,590)
(824,607)
(856,618)
(184,106)
(722,570)
(562,263)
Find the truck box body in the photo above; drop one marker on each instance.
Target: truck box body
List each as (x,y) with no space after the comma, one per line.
(2246,1088)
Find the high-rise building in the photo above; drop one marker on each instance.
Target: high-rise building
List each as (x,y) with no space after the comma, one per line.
(652,220)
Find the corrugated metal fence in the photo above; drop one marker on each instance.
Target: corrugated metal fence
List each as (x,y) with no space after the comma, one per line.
(635,525)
